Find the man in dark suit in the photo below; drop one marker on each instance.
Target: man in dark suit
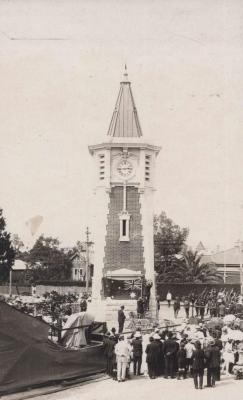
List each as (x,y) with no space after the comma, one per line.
(121,319)
(137,348)
(219,344)
(106,344)
(110,342)
(170,350)
(152,351)
(160,361)
(212,354)
(140,308)
(198,365)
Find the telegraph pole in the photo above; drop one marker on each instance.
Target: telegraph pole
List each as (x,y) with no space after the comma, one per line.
(241,268)
(10,282)
(87,259)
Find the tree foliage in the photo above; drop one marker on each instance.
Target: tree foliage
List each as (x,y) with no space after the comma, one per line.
(169,240)
(48,260)
(190,269)
(17,244)
(7,253)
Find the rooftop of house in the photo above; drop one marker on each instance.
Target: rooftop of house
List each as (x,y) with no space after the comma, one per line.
(228,257)
(19,265)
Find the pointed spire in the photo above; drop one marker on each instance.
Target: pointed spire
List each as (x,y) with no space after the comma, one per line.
(125,122)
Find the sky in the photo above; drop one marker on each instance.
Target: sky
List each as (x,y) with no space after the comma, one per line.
(61,65)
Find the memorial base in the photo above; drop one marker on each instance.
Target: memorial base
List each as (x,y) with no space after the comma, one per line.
(107,310)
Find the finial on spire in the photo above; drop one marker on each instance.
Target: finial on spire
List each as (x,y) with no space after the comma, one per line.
(125,74)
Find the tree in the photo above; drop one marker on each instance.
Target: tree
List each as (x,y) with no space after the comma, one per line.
(17,244)
(48,260)
(190,269)
(169,240)
(7,253)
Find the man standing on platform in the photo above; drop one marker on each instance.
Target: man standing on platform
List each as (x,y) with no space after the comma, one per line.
(140,308)
(121,319)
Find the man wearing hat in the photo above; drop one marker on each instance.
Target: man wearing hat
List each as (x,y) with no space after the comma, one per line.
(105,343)
(181,361)
(212,354)
(110,343)
(121,319)
(152,357)
(122,352)
(83,304)
(219,344)
(160,361)
(189,347)
(137,349)
(140,308)
(170,350)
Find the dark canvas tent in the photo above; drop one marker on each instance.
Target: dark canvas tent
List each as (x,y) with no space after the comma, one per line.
(28,358)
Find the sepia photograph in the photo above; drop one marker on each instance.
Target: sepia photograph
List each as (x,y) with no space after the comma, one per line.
(121,199)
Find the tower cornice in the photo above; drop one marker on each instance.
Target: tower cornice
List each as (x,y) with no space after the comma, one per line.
(125,144)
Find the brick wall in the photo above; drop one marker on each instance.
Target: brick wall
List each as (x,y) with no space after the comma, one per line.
(16,290)
(124,254)
(42,289)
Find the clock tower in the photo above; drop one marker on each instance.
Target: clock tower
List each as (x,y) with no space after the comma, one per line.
(123,209)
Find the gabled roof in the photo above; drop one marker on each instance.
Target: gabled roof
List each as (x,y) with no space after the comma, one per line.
(125,122)
(200,247)
(228,257)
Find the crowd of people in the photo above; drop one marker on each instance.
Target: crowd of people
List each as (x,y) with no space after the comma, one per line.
(168,354)
(213,303)
(189,353)
(208,303)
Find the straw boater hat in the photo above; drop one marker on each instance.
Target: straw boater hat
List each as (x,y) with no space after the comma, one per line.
(137,335)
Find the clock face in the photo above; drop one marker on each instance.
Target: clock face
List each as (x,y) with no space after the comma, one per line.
(125,168)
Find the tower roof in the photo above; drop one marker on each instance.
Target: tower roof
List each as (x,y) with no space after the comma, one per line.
(124,121)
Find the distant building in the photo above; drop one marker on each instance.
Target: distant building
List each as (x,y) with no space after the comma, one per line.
(227,263)
(78,267)
(19,273)
(79,263)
